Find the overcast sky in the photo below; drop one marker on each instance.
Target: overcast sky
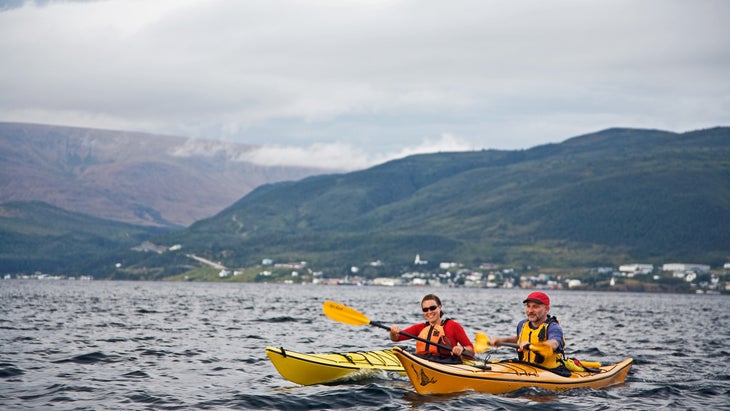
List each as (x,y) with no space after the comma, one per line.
(348,83)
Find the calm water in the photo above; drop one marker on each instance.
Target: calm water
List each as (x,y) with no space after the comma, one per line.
(97,345)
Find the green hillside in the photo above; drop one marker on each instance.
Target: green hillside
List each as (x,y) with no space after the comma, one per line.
(35,236)
(608,198)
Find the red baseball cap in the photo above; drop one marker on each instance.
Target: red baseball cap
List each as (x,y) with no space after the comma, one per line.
(538,297)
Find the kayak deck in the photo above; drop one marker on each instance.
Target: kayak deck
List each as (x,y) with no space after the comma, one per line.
(322,368)
(501,377)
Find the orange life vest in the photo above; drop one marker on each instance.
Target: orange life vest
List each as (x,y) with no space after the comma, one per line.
(435,335)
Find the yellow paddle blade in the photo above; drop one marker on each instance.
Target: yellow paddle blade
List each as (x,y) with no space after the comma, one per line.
(344,314)
(481,343)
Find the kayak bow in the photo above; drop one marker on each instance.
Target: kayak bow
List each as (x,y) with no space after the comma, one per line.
(323,368)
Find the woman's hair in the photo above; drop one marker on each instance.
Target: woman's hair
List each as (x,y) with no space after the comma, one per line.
(432,297)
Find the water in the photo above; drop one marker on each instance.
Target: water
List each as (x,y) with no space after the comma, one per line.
(76,345)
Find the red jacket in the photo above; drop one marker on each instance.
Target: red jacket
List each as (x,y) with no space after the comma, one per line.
(453,330)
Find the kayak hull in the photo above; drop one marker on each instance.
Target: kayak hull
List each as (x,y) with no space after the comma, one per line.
(323,368)
(501,377)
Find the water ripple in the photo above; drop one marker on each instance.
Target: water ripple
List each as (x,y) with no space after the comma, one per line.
(124,345)
(9,370)
(90,358)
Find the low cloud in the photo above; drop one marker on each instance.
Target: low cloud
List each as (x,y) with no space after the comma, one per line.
(346,157)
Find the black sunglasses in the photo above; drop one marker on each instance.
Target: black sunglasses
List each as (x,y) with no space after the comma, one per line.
(431,308)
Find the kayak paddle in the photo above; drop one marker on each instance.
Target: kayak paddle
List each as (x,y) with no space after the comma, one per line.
(481,343)
(351,316)
(541,348)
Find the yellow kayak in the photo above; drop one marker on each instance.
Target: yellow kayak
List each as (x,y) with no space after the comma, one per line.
(308,369)
(500,377)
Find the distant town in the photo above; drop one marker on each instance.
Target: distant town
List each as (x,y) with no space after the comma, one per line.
(670,277)
(698,278)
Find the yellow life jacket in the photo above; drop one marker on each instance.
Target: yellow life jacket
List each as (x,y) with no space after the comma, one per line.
(435,335)
(528,334)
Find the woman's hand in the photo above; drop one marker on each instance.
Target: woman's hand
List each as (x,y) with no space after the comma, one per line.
(394,330)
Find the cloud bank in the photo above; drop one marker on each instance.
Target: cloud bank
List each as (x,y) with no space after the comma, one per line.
(356,82)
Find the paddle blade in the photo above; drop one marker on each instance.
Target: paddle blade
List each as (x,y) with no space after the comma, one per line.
(481,343)
(344,314)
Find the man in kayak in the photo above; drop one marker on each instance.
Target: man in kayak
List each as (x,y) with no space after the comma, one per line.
(445,332)
(539,336)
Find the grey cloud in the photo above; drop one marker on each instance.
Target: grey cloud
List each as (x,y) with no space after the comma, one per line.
(373,78)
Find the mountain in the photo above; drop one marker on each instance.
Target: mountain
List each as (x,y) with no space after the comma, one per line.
(603,199)
(608,198)
(35,236)
(129,177)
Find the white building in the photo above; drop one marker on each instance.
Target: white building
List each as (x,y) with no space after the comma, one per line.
(385,281)
(574,283)
(631,269)
(683,268)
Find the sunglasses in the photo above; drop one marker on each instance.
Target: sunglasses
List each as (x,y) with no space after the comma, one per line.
(431,308)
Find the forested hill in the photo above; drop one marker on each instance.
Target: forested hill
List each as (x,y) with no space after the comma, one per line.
(612,197)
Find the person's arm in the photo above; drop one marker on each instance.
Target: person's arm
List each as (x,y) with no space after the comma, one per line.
(497,341)
(395,332)
(555,337)
(468,350)
(462,343)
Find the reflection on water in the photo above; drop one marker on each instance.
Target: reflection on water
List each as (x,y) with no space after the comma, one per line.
(142,345)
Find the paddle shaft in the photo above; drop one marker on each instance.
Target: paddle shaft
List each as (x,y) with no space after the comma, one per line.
(512,345)
(415,337)
(516,346)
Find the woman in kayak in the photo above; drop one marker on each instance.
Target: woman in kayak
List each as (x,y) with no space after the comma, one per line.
(436,330)
(539,336)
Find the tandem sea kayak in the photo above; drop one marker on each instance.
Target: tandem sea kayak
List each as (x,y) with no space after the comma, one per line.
(430,377)
(323,368)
